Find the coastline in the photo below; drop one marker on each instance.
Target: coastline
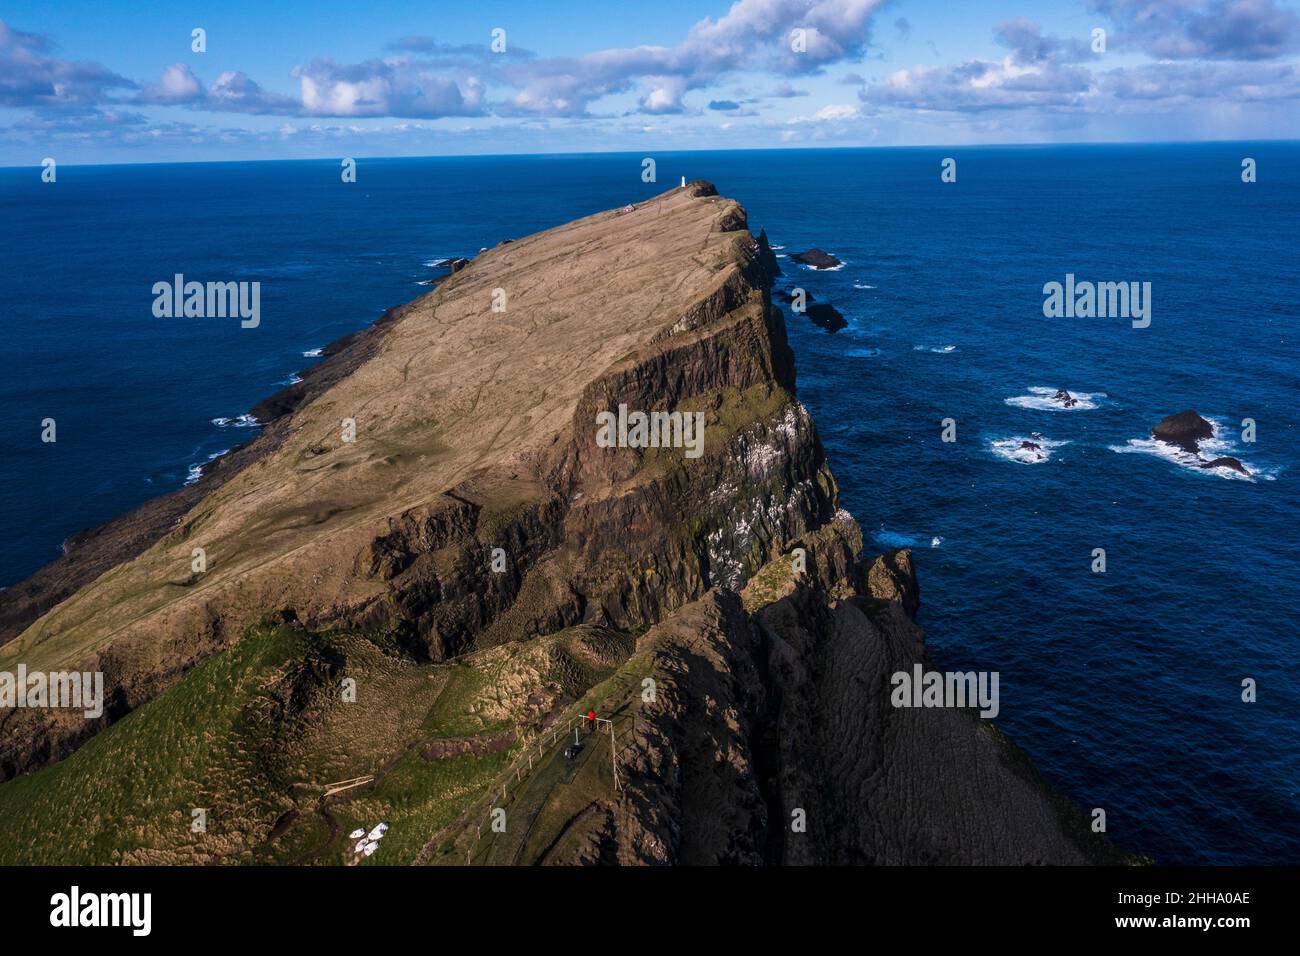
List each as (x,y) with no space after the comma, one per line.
(92,551)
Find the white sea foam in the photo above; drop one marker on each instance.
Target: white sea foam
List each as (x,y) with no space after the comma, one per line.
(936,349)
(1011,449)
(196,471)
(827,269)
(243,421)
(862,285)
(293,379)
(1040,398)
(313,353)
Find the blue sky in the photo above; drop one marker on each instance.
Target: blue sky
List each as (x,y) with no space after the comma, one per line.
(119,82)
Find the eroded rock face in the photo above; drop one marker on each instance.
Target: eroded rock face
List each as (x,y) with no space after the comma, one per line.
(891,578)
(1186,430)
(774,741)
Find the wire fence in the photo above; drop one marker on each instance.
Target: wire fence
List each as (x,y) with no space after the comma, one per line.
(517,776)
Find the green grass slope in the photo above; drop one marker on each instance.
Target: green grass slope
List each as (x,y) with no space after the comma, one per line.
(255,734)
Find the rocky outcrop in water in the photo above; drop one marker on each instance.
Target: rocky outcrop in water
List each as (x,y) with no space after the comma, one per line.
(1227,461)
(826,316)
(817,259)
(1186,430)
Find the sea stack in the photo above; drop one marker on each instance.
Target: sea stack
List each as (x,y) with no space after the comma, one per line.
(767,256)
(485,573)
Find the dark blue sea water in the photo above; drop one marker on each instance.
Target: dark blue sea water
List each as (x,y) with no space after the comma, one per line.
(1125,686)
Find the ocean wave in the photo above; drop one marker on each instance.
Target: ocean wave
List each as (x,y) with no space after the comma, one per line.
(862,353)
(936,349)
(293,379)
(1217,446)
(313,353)
(836,268)
(1021,449)
(770,246)
(196,471)
(1040,397)
(862,285)
(243,421)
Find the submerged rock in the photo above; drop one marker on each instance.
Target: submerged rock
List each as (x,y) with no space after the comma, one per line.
(826,316)
(1226,461)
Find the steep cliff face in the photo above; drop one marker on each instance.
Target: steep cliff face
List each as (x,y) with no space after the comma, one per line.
(772,740)
(434,514)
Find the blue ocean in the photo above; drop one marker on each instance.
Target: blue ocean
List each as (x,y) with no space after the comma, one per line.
(1125,686)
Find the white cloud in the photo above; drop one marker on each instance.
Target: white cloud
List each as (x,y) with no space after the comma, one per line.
(390,87)
(834,113)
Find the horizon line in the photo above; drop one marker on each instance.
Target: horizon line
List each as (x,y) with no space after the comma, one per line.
(642,152)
